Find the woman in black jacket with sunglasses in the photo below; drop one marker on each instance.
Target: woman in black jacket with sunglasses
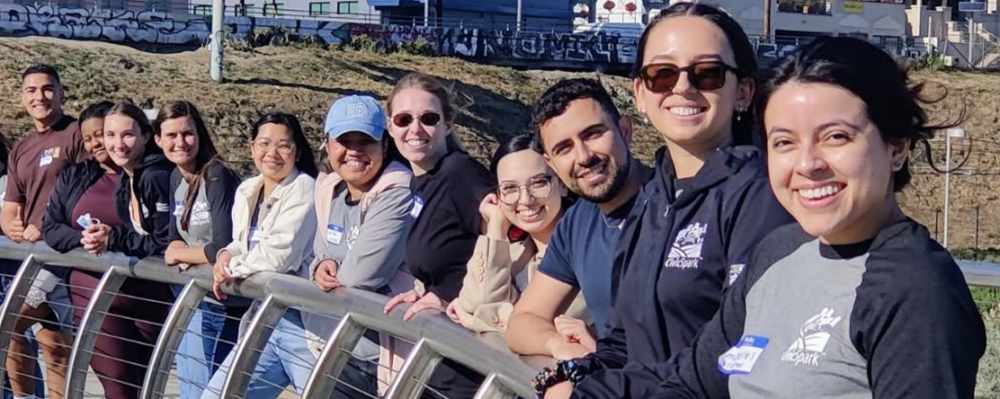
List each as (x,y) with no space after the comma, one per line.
(708,204)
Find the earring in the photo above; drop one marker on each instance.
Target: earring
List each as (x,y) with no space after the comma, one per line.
(897,166)
(739,113)
(645,118)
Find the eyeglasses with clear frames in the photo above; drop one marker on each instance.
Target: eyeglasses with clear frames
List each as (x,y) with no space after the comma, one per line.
(284,147)
(537,187)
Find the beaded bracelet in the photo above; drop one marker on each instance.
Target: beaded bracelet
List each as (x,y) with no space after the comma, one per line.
(566,370)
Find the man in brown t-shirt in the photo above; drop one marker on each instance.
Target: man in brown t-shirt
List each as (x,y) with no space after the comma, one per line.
(33,166)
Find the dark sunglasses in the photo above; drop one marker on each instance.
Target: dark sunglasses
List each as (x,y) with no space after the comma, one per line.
(428,119)
(705,75)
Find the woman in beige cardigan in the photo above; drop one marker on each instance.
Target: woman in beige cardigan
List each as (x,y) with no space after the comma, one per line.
(519,218)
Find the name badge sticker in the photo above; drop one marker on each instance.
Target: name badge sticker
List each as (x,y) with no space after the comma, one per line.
(254,237)
(84,221)
(47,158)
(418,205)
(178,208)
(334,234)
(741,358)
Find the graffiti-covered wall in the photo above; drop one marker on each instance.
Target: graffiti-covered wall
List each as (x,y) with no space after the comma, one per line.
(498,46)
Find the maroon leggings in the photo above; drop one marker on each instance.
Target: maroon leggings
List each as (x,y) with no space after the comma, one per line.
(118,378)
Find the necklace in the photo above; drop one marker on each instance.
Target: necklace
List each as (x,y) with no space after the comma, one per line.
(612,225)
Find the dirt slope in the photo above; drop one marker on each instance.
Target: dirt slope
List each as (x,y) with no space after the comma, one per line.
(495,101)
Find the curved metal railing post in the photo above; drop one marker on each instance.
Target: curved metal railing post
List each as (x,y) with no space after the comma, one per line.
(90,328)
(333,358)
(162,359)
(417,370)
(12,306)
(249,349)
(492,388)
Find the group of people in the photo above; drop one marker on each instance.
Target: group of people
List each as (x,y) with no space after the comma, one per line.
(763,255)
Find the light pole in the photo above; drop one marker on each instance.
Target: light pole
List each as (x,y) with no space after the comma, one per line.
(218,37)
(955,133)
(518,15)
(427,11)
(767,21)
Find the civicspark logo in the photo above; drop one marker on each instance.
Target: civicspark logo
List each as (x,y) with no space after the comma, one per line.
(812,340)
(686,251)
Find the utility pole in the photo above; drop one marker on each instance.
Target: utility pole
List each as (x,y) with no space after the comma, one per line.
(518,15)
(218,37)
(427,11)
(767,21)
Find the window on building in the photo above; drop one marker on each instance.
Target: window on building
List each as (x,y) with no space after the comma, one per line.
(274,9)
(856,35)
(157,5)
(811,7)
(319,9)
(109,4)
(202,10)
(244,10)
(347,7)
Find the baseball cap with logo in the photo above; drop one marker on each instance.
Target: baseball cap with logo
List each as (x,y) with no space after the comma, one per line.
(355,114)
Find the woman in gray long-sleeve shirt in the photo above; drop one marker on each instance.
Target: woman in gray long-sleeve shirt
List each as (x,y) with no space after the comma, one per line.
(363,218)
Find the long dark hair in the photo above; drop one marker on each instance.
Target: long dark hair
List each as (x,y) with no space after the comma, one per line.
(135,113)
(892,103)
(305,162)
(746,58)
(207,154)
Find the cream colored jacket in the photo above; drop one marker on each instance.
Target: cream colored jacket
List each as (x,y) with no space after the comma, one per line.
(490,288)
(285,227)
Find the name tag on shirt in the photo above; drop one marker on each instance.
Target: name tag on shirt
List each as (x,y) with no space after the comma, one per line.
(418,205)
(254,237)
(84,220)
(334,234)
(741,358)
(178,208)
(48,156)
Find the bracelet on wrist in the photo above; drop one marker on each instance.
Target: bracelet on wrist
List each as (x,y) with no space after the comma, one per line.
(565,370)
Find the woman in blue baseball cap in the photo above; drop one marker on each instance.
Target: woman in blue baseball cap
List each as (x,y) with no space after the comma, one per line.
(363,218)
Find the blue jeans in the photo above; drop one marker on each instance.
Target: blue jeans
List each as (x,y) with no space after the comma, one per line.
(286,360)
(200,350)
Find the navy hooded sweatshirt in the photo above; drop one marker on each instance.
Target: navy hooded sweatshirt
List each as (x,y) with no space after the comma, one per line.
(151,183)
(691,239)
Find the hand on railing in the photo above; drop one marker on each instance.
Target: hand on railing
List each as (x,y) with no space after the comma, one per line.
(95,238)
(325,276)
(428,301)
(219,274)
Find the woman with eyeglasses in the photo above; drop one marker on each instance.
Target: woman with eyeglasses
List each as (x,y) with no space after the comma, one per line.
(448,186)
(520,218)
(708,203)
(274,222)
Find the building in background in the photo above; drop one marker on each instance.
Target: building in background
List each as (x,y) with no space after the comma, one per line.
(360,11)
(536,15)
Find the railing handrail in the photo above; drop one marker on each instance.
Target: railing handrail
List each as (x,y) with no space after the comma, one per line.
(486,353)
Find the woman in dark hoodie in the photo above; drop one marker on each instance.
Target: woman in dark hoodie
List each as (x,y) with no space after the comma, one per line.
(707,206)
(81,194)
(142,197)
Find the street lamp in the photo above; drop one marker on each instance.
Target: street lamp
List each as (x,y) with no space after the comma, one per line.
(954,133)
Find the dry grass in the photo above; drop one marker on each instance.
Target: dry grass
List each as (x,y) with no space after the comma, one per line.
(495,104)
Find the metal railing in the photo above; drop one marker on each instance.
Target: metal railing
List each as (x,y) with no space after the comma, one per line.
(435,337)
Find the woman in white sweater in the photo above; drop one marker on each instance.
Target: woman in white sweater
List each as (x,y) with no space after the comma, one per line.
(274,220)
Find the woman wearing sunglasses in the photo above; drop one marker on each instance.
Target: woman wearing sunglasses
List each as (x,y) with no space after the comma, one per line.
(274,222)
(708,203)
(856,300)
(448,186)
(520,218)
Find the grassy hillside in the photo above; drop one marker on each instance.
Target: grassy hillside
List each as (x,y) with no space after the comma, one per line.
(495,104)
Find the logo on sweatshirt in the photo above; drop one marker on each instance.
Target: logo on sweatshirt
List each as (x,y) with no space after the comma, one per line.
(686,251)
(812,340)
